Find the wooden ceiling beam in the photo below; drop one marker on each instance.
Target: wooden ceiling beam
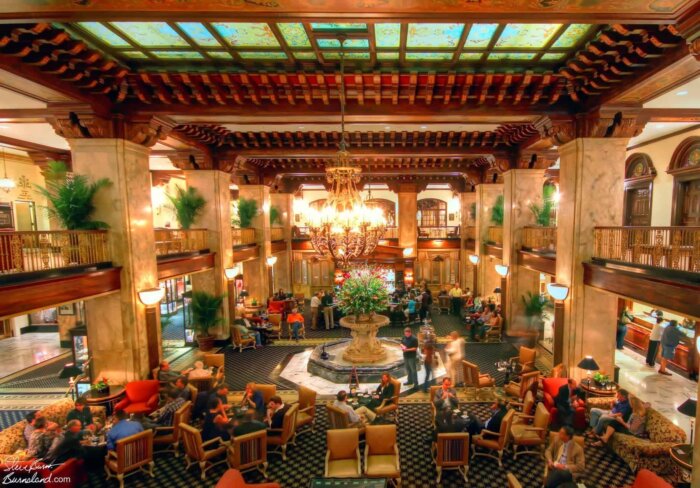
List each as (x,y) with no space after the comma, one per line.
(375,151)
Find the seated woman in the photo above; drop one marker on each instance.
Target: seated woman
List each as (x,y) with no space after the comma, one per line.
(199,371)
(216,421)
(636,425)
(383,395)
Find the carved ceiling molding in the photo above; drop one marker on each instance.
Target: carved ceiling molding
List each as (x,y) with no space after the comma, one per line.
(605,122)
(190,160)
(43,158)
(537,159)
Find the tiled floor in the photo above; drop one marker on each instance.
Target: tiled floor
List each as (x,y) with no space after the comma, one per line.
(28,350)
(665,393)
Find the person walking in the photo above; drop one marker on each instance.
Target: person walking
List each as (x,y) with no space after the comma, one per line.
(625,318)
(428,351)
(655,339)
(327,304)
(409,346)
(315,305)
(670,339)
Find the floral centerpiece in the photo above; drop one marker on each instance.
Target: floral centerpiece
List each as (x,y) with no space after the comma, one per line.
(363,293)
(101,385)
(601,378)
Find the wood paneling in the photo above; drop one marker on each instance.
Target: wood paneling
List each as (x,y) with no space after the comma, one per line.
(279,246)
(493,251)
(538,262)
(241,254)
(170,268)
(637,338)
(438,243)
(38,294)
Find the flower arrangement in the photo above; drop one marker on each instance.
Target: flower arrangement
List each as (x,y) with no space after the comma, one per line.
(601,378)
(101,385)
(363,293)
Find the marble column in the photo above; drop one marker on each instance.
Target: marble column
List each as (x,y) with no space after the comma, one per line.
(591,185)
(216,218)
(116,323)
(256,274)
(486,195)
(521,188)
(696,446)
(283,268)
(467,220)
(408,224)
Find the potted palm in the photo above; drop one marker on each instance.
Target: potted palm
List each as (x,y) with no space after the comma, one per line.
(537,308)
(497,212)
(542,213)
(247,209)
(187,205)
(205,316)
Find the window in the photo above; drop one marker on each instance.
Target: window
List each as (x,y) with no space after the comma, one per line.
(432,213)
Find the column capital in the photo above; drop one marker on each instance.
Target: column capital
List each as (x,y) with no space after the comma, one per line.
(605,122)
(190,160)
(541,159)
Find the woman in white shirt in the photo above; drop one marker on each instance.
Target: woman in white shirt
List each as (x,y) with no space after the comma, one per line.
(454,350)
(199,372)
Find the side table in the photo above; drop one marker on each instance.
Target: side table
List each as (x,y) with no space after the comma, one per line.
(107,400)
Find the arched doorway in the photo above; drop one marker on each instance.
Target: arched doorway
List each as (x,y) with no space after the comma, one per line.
(685,168)
(432,213)
(639,186)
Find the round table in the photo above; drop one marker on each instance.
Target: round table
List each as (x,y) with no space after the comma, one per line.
(107,400)
(682,455)
(593,390)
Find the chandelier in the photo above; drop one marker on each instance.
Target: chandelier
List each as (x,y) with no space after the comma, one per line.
(346,227)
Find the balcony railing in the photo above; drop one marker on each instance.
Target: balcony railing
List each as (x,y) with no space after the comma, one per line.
(243,236)
(300,232)
(438,232)
(24,252)
(540,238)
(276,234)
(177,241)
(495,235)
(676,248)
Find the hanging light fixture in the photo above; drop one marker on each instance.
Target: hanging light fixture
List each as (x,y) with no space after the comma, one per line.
(346,227)
(6,184)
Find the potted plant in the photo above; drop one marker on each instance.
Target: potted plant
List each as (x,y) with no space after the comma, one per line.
(187,205)
(247,209)
(100,386)
(363,294)
(275,215)
(205,316)
(542,213)
(537,308)
(497,212)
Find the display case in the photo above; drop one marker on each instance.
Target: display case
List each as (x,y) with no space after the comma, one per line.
(81,352)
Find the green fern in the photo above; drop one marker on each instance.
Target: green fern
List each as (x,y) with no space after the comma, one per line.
(497,211)
(247,209)
(187,205)
(536,306)
(275,215)
(71,198)
(205,311)
(542,213)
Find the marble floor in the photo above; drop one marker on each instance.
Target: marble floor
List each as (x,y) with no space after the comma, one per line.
(28,350)
(665,393)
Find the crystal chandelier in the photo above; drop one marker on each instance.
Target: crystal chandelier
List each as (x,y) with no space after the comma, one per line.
(6,184)
(345,228)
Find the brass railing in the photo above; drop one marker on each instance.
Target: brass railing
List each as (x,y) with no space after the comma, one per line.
(23,252)
(540,238)
(277,234)
(661,247)
(495,235)
(175,241)
(243,236)
(438,232)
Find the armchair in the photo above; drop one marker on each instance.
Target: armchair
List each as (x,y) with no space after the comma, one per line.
(275,320)
(338,419)
(431,397)
(531,436)
(276,306)
(451,451)
(494,441)
(386,408)
(267,391)
(524,408)
(550,389)
(528,382)
(132,454)
(141,397)
(214,360)
(281,438)
(474,379)
(307,409)
(241,342)
(513,481)
(233,478)
(382,453)
(201,453)
(170,436)
(342,454)
(647,479)
(248,452)
(526,359)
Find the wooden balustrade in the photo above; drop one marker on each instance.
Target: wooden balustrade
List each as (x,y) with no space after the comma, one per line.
(540,238)
(277,234)
(495,235)
(24,252)
(243,236)
(676,248)
(448,232)
(176,241)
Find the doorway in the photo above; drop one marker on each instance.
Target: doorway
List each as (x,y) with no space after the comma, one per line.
(25,215)
(689,203)
(176,313)
(639,178)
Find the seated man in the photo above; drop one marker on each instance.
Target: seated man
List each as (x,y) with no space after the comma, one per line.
(68,445)
(564,457)
(123,427)
(280,295)
(384,394)
(248,424)
(182,388)
(253,399)
(163,417)
(295,320)
(42,438)
(276,409)
(621,409)
(166,374)
(568,399)
(446,397)
(82,413)
(247,333)
(357,418)
(199,371)
(493,424)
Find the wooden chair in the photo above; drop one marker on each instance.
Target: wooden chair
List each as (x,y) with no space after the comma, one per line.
(578,439)
(382,453)
(444,303)
(307,410)
(387,408)
(170,436)
(239,342)
(451,451)
(267,391)
(474,381)
(285,434)
(513,481)
(528,382)
(523,409)
(299,297)
(202,384)
(302,330)
(495,331)
(214,360)
(532,435)
(526,359)
(338,419)
(494,441)
(132,454)
(342,454)
(201,453)
(248,452)
(275,320)
(431,397)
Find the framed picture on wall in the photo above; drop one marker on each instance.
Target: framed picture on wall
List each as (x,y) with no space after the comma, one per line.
(68,309)
(7,222)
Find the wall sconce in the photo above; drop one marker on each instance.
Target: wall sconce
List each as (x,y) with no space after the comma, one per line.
(271,261)
(231,273)
(557,291)
(502,270)
(150,297)
(474,259)
(407,252)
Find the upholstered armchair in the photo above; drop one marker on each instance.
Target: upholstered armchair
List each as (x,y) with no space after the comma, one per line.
(267,391)
(275,320)
(279,439)
(513,481)
(132,454)
(473,379)
(248,452)
(528,382)
(524,408)
(342,453)
(233,478)
(493,441)
(526,359)
(382,453)
(386,408)
(550,389)
(169,436)
(451,451)
(201,453)
(431,396)
(306,417)
(141,397)
(241,342)
(276,306)
(530,436)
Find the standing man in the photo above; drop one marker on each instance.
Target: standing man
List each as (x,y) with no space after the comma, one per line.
(456,295)
(625,318)
(428,358)
(670,339)
(409,346)
(655,339)
(315,304)
(327,302)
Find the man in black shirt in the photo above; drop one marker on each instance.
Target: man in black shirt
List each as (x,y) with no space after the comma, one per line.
(409,345)
(81,412)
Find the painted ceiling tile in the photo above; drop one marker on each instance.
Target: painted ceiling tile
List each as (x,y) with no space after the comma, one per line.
(381,55)
(428,56)
(480,35)
(199,34)
(338,26)
(552,56)
(387,35)
(572,35)
(434,35)
(470,56)
(262,55)
(305,55)
(133,54)
(516,56)
(219,54)
(294,34)
(347,55)
(529,36)
(247,34)
(177,54)
(101,32)
(151,34)
(349,43)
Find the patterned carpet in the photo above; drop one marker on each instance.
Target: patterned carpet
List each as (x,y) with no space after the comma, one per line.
(45,376)
(11,417)
(306,460)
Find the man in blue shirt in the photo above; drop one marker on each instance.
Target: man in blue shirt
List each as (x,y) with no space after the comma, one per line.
(621,408)
(123,428)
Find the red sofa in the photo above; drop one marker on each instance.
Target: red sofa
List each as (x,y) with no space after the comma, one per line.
(550,389)
(647,479)
(141,397)
(233,478)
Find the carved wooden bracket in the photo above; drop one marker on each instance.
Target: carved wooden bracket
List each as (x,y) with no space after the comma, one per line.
(604,122)
(694,48)
(190,160)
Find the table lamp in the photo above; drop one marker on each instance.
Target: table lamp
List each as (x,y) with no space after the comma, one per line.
(589,364)
(689,408)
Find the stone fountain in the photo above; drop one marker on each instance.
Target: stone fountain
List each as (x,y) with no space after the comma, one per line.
(364,348)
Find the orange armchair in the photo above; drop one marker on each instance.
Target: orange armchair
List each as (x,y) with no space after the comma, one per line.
(233,478)
(141,397)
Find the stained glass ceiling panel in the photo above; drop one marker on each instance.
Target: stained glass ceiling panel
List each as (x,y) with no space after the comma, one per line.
(387,35)
(294,34)
(338,26)
(199,34)
(434,35)
(572,35)
(247,34)
(349,43)
(526,36)
(103,33)
(151,34)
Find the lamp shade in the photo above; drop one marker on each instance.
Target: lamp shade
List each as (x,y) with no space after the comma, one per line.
(502,270)
(688,407)
(589,364)
(243,293)
(231,273)
(70,370)
(474,259)
(271,260)
(557,291)
(150,296)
